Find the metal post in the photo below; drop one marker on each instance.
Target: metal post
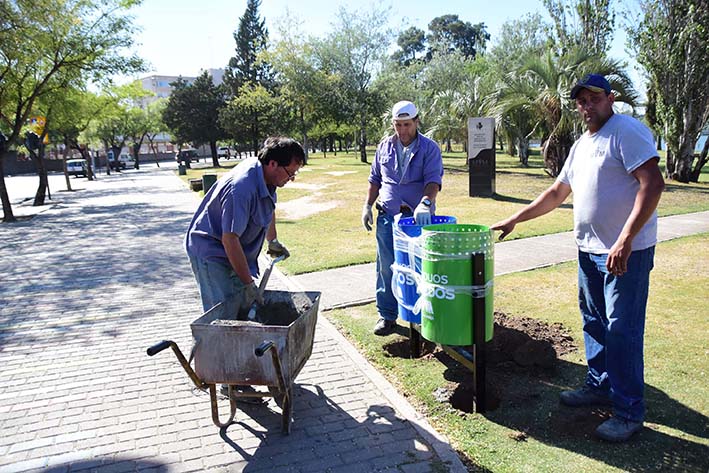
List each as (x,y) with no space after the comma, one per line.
(414,341)
(478,268)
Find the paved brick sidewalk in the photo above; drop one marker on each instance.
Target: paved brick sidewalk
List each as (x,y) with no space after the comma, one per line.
(89,284)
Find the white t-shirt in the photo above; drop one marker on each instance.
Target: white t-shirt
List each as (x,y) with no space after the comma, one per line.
(598,170)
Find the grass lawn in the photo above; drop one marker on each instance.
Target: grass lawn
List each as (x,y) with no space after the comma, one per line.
(530,431)
(319,215)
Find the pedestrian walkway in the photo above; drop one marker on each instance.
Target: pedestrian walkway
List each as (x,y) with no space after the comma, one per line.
(90,283)
(353,285)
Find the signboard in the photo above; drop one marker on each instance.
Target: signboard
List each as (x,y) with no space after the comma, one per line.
(481,156)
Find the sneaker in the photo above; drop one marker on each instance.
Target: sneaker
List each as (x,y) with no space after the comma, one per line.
(584,396)
(617,429)
(384,327)
(240,390)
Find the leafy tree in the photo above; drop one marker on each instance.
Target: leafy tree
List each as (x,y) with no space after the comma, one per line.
(545,86)
(251,40)
(310,91)
(355,51)
(519,40)
(254,114)
(47,45)
(671,43)
(411,41)
(155,124)
(112,130)
(449,33)
(582,24)
(192,112)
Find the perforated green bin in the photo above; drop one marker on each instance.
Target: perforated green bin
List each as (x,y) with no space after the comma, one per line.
(447,272)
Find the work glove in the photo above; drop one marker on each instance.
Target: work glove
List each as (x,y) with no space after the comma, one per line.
(252,294)
(422,214)
(276,249)
(367,219)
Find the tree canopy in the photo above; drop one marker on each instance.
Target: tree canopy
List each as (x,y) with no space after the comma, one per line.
(50,45)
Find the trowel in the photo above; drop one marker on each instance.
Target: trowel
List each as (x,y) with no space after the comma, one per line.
(262,286)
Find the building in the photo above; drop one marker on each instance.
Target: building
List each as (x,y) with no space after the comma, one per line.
(160,87)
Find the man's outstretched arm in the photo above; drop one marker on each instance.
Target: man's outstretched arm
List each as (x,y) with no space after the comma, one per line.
(547,201)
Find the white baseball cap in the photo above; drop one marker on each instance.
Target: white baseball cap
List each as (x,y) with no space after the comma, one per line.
(404,110)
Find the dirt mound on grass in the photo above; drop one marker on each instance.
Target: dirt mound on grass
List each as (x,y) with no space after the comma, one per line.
(520,347)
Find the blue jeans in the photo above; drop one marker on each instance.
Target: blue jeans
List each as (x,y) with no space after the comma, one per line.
(386,302)
(217,283)
(613,311)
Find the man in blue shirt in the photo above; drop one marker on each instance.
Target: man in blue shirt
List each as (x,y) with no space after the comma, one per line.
(228,230)
(405,178)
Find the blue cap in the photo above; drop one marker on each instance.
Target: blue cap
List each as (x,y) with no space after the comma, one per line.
(592,82)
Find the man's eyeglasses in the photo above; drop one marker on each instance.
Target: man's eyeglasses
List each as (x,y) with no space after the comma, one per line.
(291,176)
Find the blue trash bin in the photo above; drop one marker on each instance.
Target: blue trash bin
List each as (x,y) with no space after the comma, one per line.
(405,271)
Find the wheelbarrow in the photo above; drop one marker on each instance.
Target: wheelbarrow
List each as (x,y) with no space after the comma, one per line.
(231,351)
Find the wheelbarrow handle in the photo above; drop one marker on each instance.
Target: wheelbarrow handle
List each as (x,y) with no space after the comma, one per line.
(263,348)
(158,347)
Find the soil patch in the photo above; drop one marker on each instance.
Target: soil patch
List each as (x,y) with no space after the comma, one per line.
(280,308)
(521,348)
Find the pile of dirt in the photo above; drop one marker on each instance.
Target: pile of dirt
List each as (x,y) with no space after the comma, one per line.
(520,347)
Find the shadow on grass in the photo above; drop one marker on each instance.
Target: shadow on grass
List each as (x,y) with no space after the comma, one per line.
(525,400)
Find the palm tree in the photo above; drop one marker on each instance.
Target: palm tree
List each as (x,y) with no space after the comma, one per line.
(541,88)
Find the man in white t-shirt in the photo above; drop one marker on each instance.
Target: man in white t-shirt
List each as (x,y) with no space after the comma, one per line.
(613,172)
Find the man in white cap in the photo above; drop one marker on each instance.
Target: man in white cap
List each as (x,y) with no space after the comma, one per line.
(405,178)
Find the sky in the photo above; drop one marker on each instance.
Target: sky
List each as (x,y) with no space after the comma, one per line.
(183,37)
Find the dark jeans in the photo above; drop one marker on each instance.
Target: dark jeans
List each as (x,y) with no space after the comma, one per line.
(613,311)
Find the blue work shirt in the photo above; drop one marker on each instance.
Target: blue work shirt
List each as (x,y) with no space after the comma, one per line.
(239,202)
(424,166)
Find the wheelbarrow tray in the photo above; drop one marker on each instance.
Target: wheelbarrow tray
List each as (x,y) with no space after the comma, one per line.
(224,347)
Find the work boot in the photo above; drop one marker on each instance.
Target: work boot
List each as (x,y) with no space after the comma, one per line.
(384,327)
(617,429)
(584,396)
(242,389)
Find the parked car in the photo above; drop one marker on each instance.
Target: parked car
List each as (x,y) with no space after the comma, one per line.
(125,161)
(186,156)
(223,152)
(76,167)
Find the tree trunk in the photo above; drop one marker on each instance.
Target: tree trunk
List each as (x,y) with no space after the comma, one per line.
(67,148)
(136,153)
(8,216)
(523,145)
(363,139)
(683,164)
(215,157)
(116,155)
(43,187)
(555,151)
(701,161)
(511,150)
(154,150)
(86,154)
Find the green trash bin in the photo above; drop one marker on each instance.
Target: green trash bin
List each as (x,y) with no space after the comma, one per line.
(181,170)
(448,289)
(208,181)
